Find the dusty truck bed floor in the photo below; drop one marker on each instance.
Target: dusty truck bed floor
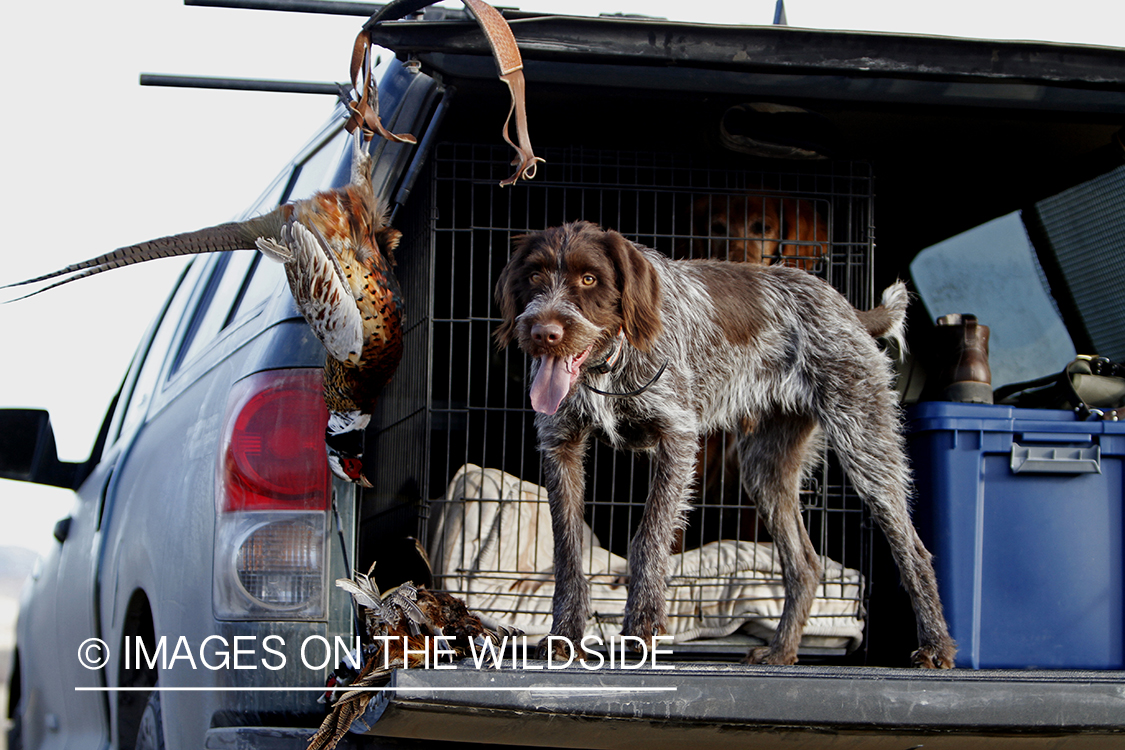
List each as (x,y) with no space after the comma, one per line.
(723,705)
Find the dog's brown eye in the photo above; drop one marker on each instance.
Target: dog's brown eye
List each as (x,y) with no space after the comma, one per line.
(536,278)
(589,279)
(758,229)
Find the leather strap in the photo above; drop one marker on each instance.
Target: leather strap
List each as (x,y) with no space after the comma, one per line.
(509,64)
(365,112)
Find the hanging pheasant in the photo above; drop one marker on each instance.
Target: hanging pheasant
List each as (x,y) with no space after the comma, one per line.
(338,250)
(338,255)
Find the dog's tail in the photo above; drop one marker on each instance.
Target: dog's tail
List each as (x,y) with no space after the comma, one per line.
(888,320)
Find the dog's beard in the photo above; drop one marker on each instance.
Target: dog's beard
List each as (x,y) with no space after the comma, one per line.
(554,379)
(556,372)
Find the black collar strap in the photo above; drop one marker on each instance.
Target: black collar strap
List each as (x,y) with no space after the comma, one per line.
(636,392)
(610,361)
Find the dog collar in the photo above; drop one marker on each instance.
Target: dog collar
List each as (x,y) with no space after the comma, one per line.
(632,393)
(612,357)
(610,361)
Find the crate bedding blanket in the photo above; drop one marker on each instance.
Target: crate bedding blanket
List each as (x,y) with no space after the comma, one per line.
(490,542)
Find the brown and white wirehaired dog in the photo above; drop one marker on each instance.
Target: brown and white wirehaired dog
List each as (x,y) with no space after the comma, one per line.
(694,346)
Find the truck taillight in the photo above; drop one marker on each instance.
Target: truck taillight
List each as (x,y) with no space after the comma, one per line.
(273,491)
(273,444)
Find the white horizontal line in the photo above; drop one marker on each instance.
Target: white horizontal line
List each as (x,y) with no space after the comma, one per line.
(346,688)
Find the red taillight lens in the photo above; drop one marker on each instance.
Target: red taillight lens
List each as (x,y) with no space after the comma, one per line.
(273,444)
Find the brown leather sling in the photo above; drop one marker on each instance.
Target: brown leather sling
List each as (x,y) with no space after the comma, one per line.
(365,111)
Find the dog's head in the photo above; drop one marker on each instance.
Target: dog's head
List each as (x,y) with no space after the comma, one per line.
(759,229)
(565,294)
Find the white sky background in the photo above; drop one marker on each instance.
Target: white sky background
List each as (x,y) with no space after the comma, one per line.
(92,161)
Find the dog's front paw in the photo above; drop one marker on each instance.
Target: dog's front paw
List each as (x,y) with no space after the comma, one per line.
(767,655)
(934,657)
(643,628)
(559,649)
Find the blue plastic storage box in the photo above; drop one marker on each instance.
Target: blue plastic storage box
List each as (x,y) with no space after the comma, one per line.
(1022,510)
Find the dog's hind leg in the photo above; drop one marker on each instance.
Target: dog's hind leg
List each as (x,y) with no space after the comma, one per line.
(773,459)
(871,449)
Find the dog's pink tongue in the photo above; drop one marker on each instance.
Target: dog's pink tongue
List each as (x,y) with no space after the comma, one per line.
(552,383)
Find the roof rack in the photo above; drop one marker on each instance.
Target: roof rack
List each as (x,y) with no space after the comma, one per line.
(341,90)
(326,7)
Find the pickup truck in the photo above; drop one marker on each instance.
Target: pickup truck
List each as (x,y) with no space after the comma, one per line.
(194,576)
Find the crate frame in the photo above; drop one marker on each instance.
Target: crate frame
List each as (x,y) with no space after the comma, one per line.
(458,237)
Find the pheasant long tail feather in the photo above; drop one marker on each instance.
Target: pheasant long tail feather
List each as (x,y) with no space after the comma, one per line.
(231,236)
(349,706)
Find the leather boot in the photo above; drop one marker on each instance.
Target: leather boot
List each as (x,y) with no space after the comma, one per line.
(964,346)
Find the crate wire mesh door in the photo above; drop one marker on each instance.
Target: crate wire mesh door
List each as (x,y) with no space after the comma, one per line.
(488,522)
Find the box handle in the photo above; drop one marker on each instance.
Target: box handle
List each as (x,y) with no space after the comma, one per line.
(1045,459)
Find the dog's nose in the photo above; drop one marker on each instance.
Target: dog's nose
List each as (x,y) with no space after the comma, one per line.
(546,333)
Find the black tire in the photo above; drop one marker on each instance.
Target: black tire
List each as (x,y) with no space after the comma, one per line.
(15,731)
(150,733)
(15,705)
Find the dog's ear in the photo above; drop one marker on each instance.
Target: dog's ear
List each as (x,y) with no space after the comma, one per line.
(640,291)
(507,295)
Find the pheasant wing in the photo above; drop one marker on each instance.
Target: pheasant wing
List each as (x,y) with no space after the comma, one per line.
(320,291)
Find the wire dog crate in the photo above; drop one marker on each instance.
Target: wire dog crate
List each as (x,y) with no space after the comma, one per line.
(456,445)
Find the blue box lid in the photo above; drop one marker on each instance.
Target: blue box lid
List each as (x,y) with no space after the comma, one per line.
(1041,424)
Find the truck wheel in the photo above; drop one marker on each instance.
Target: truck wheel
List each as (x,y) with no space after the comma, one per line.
(15,731)
(150,734)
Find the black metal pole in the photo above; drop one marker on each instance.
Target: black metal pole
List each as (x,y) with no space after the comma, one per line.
(244,84)
(328,7)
